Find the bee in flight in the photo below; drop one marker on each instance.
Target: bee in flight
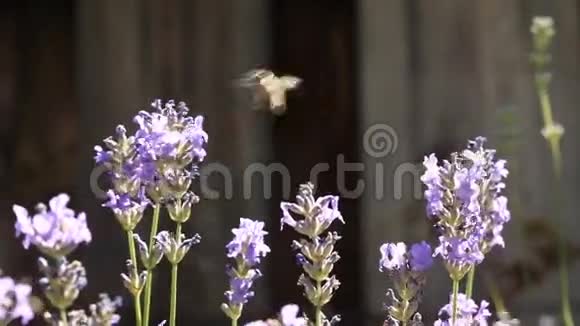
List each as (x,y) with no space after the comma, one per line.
(269,90)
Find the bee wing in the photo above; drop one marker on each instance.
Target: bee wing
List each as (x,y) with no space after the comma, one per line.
(253,77)
(290,82)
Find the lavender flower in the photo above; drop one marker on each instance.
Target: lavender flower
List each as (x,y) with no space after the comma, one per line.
(127,209)
(316,253)
(168,143)
(248,243)
(468,313)
(318,213)
(174,246)
(56,231)
(62,281)
(288,317)
(102,313)
(161,157)
(393,256)
(420,257)
(406,269)
(247,248)
(464,202)
(15,301)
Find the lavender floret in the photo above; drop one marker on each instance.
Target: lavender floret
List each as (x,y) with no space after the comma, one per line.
(55,230)
(247,249)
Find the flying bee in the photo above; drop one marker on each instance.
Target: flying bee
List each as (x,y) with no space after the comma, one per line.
(267,88)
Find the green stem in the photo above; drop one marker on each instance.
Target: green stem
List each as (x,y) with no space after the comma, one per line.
(454,305)
(564,287)
(149,283)
(545,104)
(63,317)
(137,298)
(495,295)
(469,285)
(554,143)
(318,312)
(405,307)
(235,322)
(174,268)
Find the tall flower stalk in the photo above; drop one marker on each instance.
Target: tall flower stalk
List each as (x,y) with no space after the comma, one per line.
(247,249)
(316,252)
(154,167)
(465,204)
(56,231)
(127,200)
(543,31)
(406,268)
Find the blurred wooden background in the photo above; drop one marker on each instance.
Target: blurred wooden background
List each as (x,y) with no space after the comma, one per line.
(438,72)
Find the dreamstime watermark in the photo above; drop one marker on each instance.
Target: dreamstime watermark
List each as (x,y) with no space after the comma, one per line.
(216,180)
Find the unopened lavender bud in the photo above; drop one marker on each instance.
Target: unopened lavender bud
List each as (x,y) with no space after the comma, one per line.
(175,184)
(328,289)
(150,257)
(309,289)
(175,249)
(128,210)
(179,210)
(62,282)
(417,320)
(133,280)
(104,312)
(110,143)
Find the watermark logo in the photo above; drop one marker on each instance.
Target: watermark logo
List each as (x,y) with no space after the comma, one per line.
(216,180)
(380,140)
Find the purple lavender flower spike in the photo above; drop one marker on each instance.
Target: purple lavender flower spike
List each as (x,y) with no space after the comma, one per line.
(465,203)
(406,268)
(15,301)
(247,248)
(468,312)
(241,288)
(55,231)
(312,217)
(159,157)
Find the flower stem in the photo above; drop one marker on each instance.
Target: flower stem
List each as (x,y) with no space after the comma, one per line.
(564,286)
(469,285)
(318,311)
(495,295)
(405,308)
(454,305)
(555,150)
(235,322)
(63,317)
(149,284)
(173,304)
(136,298)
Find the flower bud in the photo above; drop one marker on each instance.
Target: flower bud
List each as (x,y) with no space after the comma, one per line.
(150,257)
(133,280)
